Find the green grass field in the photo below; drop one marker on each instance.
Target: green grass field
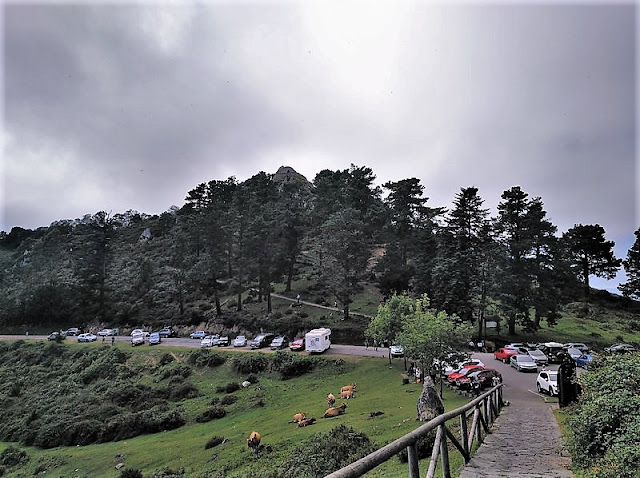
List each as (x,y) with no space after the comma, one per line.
(266,407)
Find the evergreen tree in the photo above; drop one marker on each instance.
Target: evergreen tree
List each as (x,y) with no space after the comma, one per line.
(631,288)
(591,253)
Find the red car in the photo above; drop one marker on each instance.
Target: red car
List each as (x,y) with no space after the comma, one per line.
(484,378)
(297,345)
(461,372)
(504,354)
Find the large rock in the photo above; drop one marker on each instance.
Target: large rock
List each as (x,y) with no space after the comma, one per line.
(429,403)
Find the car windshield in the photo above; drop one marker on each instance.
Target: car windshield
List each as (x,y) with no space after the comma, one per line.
(553,376)
(524,358)
(537,353)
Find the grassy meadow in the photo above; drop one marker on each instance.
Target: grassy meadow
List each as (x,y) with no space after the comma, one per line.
(266,406)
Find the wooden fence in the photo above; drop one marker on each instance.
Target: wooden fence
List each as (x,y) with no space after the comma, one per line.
(482,411)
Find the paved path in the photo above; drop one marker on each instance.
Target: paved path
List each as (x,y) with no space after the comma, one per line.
(526,440)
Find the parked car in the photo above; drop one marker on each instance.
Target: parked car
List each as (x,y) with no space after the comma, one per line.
(106,332)
(504,354)
(165,332)
(577,345)
(584,360)
(137,339)
(279,342)
(240,341)
(471,363)
(547,382)
(461,372)
(223,341)
(73,331)
(155,338)
(538,356)
(198,334)
(574,353)
(483,378)
(554,351)
(620,348)
(87,338)
(397,351)
(262,340)
(523,363)
(57,336)
(514,345)
(208,340)
(297,345)
(144,333)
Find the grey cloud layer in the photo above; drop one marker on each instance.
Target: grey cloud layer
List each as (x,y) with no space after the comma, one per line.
(134,105)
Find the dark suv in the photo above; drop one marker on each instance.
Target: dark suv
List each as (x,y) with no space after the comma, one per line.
(262,340)
(554,352)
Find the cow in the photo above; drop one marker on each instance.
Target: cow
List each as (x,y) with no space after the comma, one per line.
(335,411)
(254,441)
(298,417)
(306,422)
(331,400)
(351,386)
(348,394)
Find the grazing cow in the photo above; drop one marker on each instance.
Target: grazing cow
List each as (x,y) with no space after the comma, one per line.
(335,411)
(254,441)
(298,417)
(331,400)
(348,394)
(306,422)
(351,386)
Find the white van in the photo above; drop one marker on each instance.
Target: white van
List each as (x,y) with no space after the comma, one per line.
(317,340)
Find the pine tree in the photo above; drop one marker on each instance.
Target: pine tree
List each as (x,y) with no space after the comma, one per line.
(631,288)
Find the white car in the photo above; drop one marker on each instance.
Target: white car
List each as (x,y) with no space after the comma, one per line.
(139,331)
(106,332)
(397,351)
(523,363)
(547,382)
(240,341)
(577,345)
(137,339)
(208,341)
(87,338)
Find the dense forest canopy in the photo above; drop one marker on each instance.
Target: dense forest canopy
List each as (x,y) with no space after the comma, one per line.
(231,237)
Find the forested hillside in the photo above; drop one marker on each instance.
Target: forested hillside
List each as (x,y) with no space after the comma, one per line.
(339,240)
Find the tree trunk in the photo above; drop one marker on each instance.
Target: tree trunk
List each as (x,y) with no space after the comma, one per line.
(289,277)
(217,301)
(346,311)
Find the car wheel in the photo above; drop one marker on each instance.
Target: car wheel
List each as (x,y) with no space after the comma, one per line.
(550,392)
(539,388)
(505,360)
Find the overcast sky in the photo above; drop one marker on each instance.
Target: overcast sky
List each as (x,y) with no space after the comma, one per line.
(120,106)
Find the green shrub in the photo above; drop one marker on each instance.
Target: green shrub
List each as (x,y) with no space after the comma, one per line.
(177,370)
(604,424)
(228,388)
(228,400)
(213,442)
(131,473)
(211,414)
(290,365)
(205,358)
(323,454)
(250,363)
(165,359)
(168,473)
(13,457)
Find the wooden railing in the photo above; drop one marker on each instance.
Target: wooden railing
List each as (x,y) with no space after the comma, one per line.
(482,411)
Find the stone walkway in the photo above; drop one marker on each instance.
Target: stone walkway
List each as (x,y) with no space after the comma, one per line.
(525,442)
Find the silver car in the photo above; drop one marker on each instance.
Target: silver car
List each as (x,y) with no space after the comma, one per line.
(523,363)
(539,357)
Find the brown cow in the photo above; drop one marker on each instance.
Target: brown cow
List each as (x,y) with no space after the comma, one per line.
(348,394)
(254,441)
(306,422)
(298,417)
(331,399)
(351,386)
(335,411)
